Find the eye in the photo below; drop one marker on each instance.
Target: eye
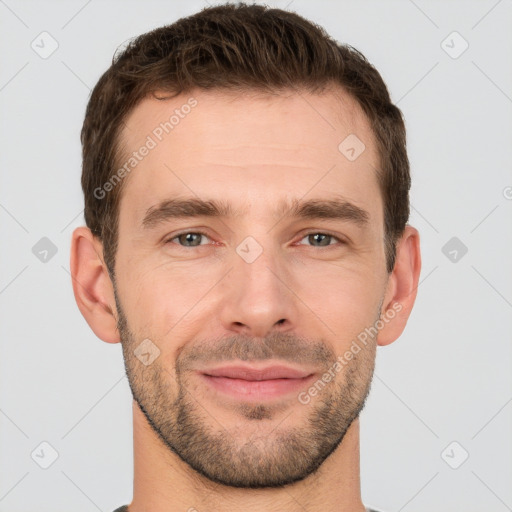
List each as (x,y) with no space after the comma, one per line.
(319,239)
(194,239)
(188,238)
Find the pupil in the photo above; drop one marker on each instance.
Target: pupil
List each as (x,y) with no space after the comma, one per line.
(325,237)
(189,237)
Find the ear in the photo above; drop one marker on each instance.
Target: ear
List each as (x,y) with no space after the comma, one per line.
(92,287)
(401,287)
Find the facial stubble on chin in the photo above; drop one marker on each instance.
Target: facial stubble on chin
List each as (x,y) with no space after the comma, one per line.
(228,456)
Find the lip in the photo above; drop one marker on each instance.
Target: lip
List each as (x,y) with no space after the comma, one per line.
(252,383)
(251,373)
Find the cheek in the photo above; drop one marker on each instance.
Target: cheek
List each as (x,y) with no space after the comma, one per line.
(162,299)
(172,301)
(345,301)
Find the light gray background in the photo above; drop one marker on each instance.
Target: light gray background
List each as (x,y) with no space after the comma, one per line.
(448,378)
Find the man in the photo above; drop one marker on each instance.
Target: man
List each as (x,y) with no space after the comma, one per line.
(246,190)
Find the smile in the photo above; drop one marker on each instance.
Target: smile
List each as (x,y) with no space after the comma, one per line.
(251,383)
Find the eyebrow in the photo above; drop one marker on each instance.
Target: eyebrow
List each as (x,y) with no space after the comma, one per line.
(335,209)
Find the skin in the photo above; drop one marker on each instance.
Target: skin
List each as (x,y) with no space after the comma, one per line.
(299,302)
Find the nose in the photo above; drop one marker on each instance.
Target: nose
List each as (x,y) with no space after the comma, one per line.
(257,297)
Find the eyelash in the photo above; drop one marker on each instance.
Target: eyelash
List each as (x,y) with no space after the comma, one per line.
(206,235)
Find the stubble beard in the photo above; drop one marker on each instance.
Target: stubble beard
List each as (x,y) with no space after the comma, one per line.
(230,456)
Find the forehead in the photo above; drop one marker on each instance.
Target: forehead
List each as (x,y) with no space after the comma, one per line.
(287,116)
(249,149)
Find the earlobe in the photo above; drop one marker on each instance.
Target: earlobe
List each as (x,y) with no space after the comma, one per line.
(402,287)
(92,286)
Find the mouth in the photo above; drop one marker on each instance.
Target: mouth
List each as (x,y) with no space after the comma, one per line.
(252,383)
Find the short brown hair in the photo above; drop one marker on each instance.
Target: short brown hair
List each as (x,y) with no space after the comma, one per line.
(239,47)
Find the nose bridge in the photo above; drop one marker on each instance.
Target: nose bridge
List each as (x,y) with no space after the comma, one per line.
(258,267)
(258,301)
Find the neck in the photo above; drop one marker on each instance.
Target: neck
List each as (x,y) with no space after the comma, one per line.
(164,483)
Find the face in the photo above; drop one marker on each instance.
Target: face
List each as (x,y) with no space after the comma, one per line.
(250,257)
